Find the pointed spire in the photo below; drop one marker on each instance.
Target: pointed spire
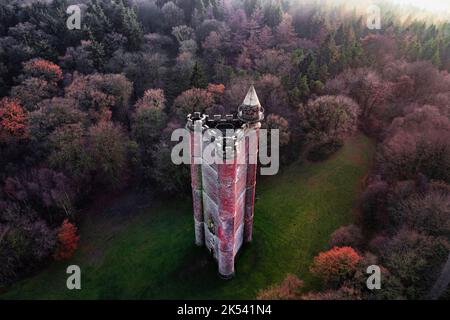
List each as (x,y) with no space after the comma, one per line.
(250,110)
(251,99)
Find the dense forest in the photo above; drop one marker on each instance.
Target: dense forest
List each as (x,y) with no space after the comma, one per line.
(91,110)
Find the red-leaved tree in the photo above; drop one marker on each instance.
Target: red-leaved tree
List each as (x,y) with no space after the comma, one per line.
(67,240)
(12,120)
(336,265)
(41,68)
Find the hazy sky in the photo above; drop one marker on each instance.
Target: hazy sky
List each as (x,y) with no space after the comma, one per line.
(435,5)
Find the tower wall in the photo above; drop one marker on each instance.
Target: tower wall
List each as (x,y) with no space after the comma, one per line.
(251,150)
(210,208)
(231,183)
(241,182)
(196,183)
(227,211)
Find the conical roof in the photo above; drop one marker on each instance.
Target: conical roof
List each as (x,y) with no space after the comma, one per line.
(251,99)
(250,110)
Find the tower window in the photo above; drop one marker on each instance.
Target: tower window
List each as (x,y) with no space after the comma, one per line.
(211,226)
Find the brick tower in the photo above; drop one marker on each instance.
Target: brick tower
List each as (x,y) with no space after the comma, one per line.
(224,194)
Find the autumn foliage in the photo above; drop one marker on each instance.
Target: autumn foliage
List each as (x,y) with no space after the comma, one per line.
(336,264)
(216,88)
(193,100)
(67,240)
(153,98)
(12,120)
(343,293)
(288,289)
(41,68)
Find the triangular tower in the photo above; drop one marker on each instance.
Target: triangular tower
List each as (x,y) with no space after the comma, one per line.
(224,194)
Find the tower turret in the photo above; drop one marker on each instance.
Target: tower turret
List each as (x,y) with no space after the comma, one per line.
(250,111)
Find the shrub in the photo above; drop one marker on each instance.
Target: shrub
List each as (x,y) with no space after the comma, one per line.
(336,265)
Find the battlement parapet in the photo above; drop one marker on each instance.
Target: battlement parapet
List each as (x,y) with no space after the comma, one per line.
(192,118)
(226,131)
(218,121)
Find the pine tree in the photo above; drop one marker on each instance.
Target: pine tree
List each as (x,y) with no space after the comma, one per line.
(340,35)
(330,53)
(317,86)
(350,36)
(323,72)
(303,85)
(98,52)
(131,27)
(97,23)
(436,59)
(255,23)
(354,55)
(298,55)
(250,6)
(333,51)
(312,71)
(415,50)
(273,13)
(198,79)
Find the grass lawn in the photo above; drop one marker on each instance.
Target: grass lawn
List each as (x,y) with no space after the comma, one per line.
(150,252)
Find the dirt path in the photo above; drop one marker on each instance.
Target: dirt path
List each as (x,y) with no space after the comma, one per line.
(441,283)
